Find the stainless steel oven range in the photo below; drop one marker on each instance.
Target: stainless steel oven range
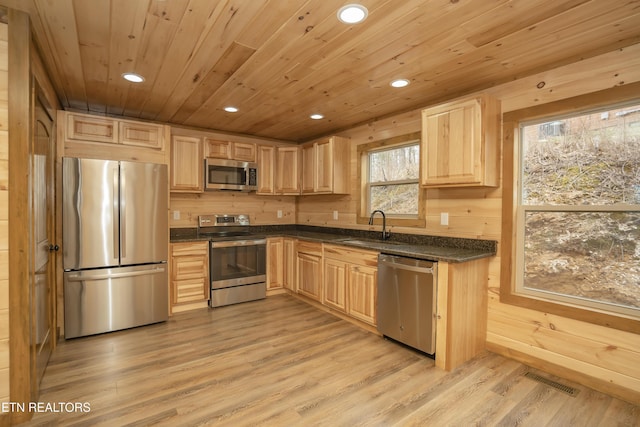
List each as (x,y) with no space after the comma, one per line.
(237,259)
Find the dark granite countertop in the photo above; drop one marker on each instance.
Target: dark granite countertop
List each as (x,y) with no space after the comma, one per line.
(434,248)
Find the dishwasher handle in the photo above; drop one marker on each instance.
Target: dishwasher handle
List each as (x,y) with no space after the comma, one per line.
(407,264)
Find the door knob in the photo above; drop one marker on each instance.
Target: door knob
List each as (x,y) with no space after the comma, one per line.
(53,248)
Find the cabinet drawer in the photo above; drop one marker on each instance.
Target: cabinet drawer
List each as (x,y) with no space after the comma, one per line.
(313,248)
(354,256)
(197,248)
(191,290)
(189,267)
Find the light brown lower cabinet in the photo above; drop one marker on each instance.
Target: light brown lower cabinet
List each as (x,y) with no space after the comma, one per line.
(350,281)
(189,274)
(461,327)
(309,269)
(335,284)
(275,265)
(289,263)
(345,279)
(362,282)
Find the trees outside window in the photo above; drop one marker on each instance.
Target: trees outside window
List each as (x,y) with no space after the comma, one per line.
(578,211)
(393,185)
(389,174)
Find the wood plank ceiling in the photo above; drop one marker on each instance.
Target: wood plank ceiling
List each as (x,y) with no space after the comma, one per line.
(279,61)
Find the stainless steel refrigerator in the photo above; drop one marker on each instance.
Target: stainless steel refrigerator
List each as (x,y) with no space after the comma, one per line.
(115,245)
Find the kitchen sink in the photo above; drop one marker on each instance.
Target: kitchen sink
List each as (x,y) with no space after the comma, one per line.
(366,242)
(356,242)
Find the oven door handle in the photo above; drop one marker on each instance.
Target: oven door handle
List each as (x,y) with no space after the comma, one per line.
(231,243)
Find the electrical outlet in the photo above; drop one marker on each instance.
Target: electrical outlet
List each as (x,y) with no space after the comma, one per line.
(444,218)
(279,213)
(176,215)
(335,215)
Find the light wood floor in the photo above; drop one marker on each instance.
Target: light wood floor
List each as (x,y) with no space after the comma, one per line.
(281,362)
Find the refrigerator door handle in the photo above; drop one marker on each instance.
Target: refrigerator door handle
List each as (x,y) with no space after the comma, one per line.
(116,207)
(83,277)
(123,215)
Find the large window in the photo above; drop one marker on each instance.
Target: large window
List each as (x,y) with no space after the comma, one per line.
(577,216)
(390,173)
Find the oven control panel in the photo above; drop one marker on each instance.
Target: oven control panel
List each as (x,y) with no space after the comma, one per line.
(222,220)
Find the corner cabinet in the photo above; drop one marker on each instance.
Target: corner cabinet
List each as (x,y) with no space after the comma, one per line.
(186,165)
(461,143)
(326,166)
(289,261)
(189,275)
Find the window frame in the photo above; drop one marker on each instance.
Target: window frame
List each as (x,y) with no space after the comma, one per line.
(513,215)
(364,207)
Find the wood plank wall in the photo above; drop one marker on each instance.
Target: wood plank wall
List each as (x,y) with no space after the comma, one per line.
(262,209)
(4,216)
(599,357)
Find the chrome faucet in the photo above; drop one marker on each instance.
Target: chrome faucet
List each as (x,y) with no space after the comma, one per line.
(385,233)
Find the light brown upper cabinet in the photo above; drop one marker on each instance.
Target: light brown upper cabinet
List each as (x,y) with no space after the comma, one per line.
(326,166)
(88,128)
(266,169)
(288,170)
(146,135)
(243,151)
(278,170)
(460,143)
(186,165)
(82,127)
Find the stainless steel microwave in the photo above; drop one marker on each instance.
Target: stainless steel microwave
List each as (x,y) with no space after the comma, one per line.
(220,174)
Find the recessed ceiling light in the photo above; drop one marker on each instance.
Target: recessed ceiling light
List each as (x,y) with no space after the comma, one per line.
(400,83)
(352,13)
(133,77)
(230,109)
(317,116)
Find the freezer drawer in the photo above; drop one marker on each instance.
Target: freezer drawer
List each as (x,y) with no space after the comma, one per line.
(407,301)
(111,299)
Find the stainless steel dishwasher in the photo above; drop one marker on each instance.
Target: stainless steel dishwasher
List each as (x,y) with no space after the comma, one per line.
(407,301)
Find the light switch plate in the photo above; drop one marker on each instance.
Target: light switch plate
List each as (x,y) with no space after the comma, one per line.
(176,215)
(335,215)
(279,213)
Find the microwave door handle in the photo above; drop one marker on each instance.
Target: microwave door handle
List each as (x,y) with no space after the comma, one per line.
(206,174)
